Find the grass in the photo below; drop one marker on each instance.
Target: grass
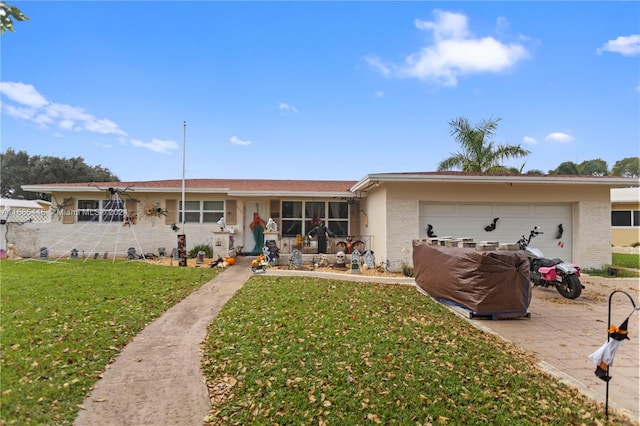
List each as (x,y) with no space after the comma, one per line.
(283,350)
(308,351)
(63,323)
(623,264)
(626,260)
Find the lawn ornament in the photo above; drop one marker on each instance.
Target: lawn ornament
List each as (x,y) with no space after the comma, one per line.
(272,226)
(259,264)
(604,355)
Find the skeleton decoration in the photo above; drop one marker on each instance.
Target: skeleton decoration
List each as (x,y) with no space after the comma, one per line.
(340,260)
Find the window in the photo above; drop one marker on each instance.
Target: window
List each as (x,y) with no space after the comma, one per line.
(88,210)
(104,211)
(300,217)
(625,218)
(201,211)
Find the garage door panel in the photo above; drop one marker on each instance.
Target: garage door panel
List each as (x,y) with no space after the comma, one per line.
(469,221)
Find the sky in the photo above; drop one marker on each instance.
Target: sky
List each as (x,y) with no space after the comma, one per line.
(317,90)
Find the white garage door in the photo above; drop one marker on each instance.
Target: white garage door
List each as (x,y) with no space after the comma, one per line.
(513,221)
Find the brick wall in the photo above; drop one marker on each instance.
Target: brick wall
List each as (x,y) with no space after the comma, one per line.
(402,228)
(592,234)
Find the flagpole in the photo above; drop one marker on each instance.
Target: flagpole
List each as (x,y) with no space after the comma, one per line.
(182,238)
(184,149)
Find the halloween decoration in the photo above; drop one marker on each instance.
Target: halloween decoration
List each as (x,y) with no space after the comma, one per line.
(272,226)
(321,231)
(430,232)
(604,355)
(492,225)
(222,223)
(559,232)
(257,226)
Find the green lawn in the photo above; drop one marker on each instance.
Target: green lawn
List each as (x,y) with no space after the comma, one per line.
(307,351)
(283,350)
(63,323)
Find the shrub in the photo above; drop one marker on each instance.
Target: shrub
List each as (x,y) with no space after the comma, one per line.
(208,251)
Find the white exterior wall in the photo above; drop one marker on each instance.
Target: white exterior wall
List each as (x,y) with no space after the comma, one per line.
(92,238)
(402,226)
(591,234)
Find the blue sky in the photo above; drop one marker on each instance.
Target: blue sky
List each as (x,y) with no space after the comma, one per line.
(317,90)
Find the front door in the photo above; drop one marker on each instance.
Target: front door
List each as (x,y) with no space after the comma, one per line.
(255,218)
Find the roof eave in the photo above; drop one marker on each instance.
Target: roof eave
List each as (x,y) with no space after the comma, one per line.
(612,182)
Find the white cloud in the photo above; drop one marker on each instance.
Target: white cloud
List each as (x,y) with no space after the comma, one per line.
(529,140)
(379,94)
(559,137)
(30,105)
(284,107)
(624,45)
(24,94)
(156,145)
(455,51)
(237,141)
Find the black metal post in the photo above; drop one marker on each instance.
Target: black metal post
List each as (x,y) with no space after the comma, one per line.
(606,402)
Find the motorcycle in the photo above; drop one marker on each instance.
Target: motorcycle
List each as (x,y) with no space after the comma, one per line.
(551,272)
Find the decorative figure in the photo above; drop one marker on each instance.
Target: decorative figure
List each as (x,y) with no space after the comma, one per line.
(355,262)
(324,261)
(340,260)
(257,226)
(430,233)
(272,226)
(321,232)
(603,357)
(491,226)
(271,252)
(350,245)
(559,232)
(369,259)
(296,259)
(222,223)
(174,227)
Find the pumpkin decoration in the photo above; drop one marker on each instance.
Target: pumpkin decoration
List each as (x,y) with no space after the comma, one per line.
(230,261)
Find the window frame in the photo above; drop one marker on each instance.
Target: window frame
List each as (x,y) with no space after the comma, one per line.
(303,216)
(630,218)
(204,213)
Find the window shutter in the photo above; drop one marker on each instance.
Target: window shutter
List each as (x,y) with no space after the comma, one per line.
(132,207)
(171,206)
(231,212)
(68,216)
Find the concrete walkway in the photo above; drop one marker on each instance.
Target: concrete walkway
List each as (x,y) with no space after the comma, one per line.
(156,379)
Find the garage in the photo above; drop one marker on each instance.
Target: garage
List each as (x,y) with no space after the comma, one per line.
(476,221)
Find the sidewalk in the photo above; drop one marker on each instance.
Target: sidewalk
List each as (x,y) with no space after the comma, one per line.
(156,379)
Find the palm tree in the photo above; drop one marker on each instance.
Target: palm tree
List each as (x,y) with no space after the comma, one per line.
(478,153)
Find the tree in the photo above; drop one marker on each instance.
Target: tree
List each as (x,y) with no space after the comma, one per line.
(597,167)
(7,15)
(628,167)
(478,153)
(18,168)
(566,168)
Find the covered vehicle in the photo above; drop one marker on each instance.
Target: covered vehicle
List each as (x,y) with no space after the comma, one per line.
(486,283)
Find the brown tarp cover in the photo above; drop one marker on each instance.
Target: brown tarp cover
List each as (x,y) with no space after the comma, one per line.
(490,283)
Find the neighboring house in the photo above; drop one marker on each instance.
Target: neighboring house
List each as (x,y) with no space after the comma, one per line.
(16,212)
(625,217)
(386,211)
